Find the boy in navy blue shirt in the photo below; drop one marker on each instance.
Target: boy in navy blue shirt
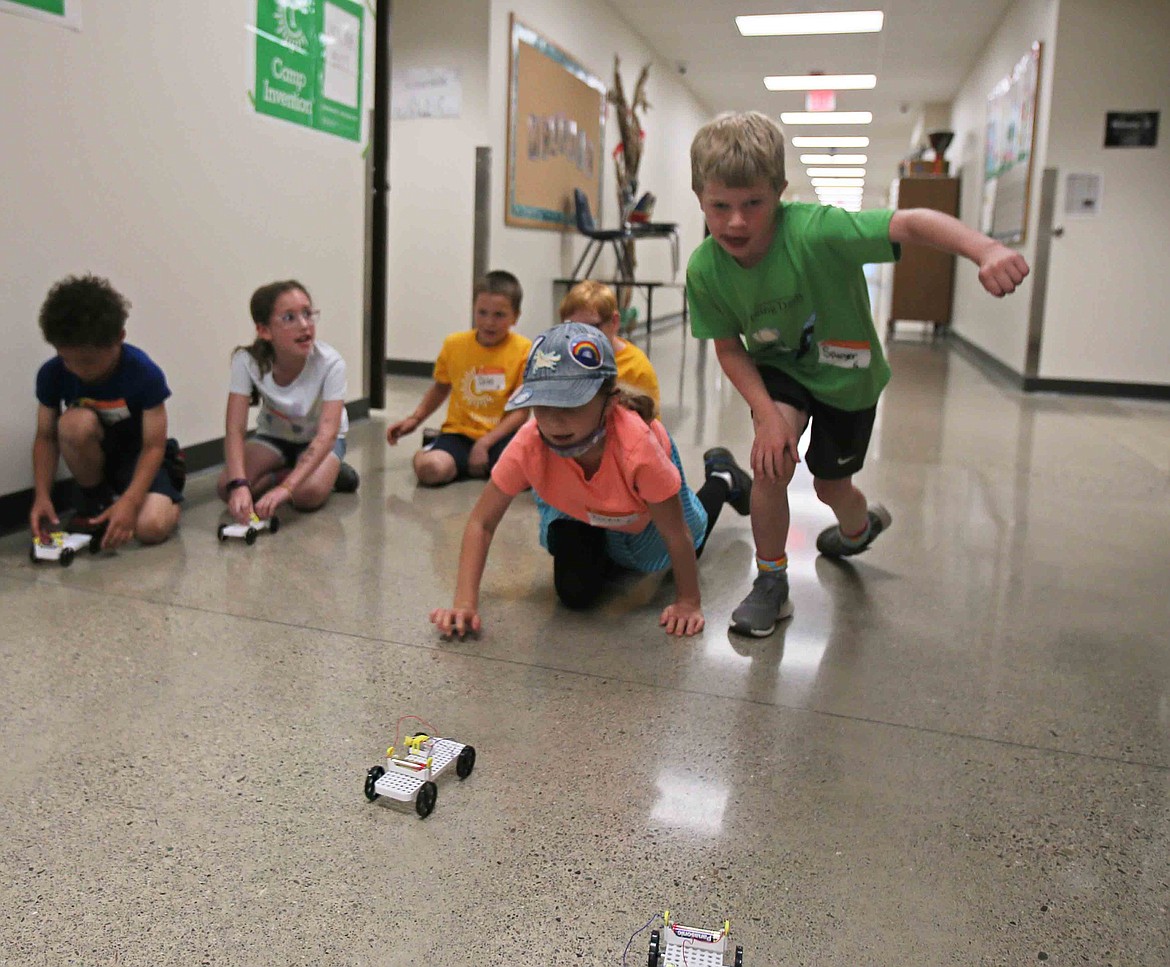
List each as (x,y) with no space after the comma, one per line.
(102,408)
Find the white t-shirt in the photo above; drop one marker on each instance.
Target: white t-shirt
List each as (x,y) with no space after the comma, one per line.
(292,412)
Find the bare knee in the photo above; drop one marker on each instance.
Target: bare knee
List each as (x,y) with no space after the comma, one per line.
(79,426)
(157,520)
(832,491)
(311,495)
(434,467)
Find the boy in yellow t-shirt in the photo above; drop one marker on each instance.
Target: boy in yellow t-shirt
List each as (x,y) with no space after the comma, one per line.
(478,369)
(594,304)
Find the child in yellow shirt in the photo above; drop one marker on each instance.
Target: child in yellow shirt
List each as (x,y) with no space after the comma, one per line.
(594,304)
(478,369)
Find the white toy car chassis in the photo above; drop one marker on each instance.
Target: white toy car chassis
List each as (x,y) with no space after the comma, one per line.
(676,945)
(62,547)
(249,530)
(411,774)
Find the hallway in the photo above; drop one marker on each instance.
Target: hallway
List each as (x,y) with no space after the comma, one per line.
(956,752)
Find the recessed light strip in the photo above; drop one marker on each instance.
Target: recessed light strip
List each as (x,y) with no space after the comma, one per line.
(835,172)
(826,117)
(820,82)
(803,24)
(830,141)
(833,159)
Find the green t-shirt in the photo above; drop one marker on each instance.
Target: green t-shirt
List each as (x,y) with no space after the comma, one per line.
(804,308)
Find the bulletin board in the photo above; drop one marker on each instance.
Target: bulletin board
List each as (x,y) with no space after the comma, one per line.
(1011,135)
(556,133)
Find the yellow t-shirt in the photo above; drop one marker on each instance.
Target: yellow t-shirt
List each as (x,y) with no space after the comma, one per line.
(481,380)
(635,371)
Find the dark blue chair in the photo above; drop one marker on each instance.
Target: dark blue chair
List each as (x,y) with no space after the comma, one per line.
(598,239)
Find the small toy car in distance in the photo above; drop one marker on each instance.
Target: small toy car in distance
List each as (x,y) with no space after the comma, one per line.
(250,530)
(676,945)
(62,547)
(410,774)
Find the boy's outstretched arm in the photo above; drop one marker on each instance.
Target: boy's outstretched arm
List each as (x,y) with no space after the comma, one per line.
(463,616)
(1000,268)
(685,616)
(44,464)
(775,441)
(432,399)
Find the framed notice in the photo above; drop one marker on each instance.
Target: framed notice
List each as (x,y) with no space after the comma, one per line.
(1011,133)
(64,13)
(556,133)
(309,64)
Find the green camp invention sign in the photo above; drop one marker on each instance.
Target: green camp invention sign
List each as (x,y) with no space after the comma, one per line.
(309,63)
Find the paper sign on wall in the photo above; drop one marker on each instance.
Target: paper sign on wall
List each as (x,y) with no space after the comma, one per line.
(427,92)
(309,64)
(64,13)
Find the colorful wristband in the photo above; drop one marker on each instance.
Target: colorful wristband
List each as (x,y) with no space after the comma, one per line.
(236,484)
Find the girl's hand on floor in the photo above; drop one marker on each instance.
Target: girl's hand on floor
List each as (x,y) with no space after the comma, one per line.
(682,619)
(240,504)
(456,621)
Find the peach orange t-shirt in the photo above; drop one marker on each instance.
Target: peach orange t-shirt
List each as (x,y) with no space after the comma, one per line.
(635,471)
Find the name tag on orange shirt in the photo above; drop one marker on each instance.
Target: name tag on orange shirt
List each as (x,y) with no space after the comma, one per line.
(607,520)
(490,380)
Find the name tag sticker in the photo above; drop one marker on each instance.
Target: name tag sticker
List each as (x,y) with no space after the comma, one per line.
(605,520)
(846,355)
(490,381)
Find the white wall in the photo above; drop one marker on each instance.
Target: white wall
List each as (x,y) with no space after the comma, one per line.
(432,164)
(130,150)
(431,206)
(1109,289)
(1000,327)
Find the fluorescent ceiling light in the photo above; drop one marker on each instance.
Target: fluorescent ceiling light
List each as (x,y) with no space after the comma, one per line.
(835,172)
(839,192)
(833,159)
(830,141)
(842,199)
(793,24)
(821,82)
(826,117)
(838,182)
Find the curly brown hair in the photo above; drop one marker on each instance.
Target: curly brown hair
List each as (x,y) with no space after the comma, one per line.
(83,310)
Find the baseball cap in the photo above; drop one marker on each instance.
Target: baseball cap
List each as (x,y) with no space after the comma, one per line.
(566,367)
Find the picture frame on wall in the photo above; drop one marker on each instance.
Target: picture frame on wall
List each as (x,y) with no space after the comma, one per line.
(1009,150)
(556,132)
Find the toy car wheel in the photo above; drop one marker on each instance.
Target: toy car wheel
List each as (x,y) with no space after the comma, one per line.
(32,552)
(274,523)
(739,957)
(424,802)
(653,961)
(372,777)
(219,532)
(250,536)
(465,762)
(66,557)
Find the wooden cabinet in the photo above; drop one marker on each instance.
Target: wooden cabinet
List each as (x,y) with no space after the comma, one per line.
(924,277)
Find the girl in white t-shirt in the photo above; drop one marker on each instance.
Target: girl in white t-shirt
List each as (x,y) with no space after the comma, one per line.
(297,451)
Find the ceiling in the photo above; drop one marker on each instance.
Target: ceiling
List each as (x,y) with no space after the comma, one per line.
(921,56)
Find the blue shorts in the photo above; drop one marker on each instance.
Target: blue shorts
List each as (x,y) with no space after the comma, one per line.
(459,446)
(645,550)
(291,452)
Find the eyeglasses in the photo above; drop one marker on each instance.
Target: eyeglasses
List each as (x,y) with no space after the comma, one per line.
(305,315)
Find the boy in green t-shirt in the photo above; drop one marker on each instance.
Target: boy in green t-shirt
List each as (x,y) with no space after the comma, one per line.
(785,279)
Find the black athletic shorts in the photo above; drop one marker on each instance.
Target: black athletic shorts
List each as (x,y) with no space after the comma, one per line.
(459,446)
(838,439)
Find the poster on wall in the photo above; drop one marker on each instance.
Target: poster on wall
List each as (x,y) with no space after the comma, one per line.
(64,13)
(1011,132)
(556,133)
(309,64)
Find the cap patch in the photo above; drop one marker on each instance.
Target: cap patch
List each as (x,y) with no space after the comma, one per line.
(586,353)
(543,360)
(520,397)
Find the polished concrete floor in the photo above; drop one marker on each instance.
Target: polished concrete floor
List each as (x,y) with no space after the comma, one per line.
(957,752)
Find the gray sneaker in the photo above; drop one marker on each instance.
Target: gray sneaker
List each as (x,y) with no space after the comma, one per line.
(831,542)
(766,604)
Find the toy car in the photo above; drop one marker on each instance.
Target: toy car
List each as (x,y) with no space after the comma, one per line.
(411,774)
(676,945)
(249,530)
(62,547)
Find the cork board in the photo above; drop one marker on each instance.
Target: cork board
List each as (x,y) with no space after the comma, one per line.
(556,133)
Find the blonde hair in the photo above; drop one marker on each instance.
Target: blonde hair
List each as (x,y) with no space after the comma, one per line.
(592,297)
(739,150)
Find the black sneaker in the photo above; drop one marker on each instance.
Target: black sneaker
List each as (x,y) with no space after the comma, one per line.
(720,460)
(175,464)
(347,479)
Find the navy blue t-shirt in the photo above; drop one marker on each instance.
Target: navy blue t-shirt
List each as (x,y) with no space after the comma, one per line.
(137,384)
